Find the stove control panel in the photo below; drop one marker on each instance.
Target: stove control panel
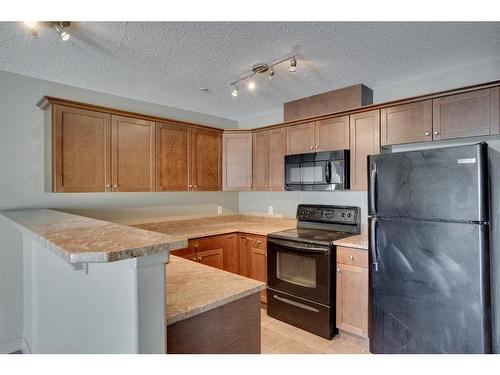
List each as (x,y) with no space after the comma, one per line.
(328,214)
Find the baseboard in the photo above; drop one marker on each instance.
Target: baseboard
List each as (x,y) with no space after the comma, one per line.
(11,346)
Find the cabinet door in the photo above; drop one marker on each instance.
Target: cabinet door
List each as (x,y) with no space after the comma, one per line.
(276,181)
(364,140)
(260,163)
(258,267)
(172,157)
(212,258)
(81,150)
(187,253)
(244,255)
(466,115)
(237,160)
(206,159)
(406,123)
(332,134)
(231,256)
(133,154)
(352,299)
(300,138)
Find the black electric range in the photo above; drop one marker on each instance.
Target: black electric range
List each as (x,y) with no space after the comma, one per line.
(301,267)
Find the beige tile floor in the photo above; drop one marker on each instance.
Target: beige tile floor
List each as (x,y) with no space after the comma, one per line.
(278,337)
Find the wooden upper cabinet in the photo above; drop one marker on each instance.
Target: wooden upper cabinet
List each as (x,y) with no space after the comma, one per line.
(276,170)
(332,134)
(469,114)
(133,154)
(81,150)
(260,164)
(406,123)
(364,141)
(172,157)
(206,159)
(237,169)
(300,139)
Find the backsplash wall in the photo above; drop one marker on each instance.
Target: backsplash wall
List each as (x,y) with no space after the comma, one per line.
(285,203)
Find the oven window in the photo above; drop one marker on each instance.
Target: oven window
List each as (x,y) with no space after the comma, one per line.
(296,269)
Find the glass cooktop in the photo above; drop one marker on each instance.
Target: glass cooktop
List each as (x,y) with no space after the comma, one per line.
(318,236)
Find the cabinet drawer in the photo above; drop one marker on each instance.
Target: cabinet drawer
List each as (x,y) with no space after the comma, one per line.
(352,257)
(257,241)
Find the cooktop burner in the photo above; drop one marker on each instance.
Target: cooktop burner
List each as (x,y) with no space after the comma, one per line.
(319,236)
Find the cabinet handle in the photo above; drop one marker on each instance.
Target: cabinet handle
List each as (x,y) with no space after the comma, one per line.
(427,133)
(436,132)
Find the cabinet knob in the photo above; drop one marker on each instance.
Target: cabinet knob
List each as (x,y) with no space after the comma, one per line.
(193,259)
(339,270)
(115,186)
(258,242)
(108,185)
(427,133)
(316,146)
(351,257)
(436,132)
(195,186)
(199,259)
(249,186)
(311,147)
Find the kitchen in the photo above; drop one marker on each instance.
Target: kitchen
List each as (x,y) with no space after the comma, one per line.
(267,228)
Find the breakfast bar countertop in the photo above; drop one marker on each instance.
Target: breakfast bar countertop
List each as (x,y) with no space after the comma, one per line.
(194,288)
(79,239)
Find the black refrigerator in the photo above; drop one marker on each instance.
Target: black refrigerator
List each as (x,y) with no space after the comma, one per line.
(433,238)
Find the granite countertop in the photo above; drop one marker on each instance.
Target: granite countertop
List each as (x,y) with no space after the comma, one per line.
(79,239)
(193,288)
(359,241)
(217,225)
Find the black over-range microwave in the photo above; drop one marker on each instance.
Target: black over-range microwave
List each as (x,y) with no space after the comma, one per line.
(327,170)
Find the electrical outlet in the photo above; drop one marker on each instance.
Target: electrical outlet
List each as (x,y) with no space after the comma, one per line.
(219,209)
(270,210)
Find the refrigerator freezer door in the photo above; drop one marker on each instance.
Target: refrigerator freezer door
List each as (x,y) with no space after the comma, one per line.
(431,291)
(446,183)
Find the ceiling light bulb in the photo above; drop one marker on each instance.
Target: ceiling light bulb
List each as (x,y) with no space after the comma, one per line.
(234,92)
(63,34)
(251,84)
(271,73)
(30,24)
(293,65)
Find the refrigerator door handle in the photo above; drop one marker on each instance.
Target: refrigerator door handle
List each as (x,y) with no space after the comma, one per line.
(373,188)
(373,244)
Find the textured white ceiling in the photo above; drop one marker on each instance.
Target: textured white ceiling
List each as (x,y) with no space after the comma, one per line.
(167,62)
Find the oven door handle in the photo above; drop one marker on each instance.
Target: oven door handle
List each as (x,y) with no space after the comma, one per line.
(292,246)
(297,304)
(328,172)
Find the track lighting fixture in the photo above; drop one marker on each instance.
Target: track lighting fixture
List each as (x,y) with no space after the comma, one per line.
(59,26)
(263,68)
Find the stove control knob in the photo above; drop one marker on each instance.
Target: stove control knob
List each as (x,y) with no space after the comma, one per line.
(349,215)
(343,215)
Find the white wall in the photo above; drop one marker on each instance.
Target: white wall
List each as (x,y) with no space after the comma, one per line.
(22,185)
(285,203)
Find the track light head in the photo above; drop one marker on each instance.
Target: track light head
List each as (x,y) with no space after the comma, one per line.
(32,25)
(62,33)
(251,84)
(271,73)
(293,65)
(235,90)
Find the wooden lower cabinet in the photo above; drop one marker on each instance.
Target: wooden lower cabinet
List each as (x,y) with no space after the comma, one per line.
(241,253)
(352,291)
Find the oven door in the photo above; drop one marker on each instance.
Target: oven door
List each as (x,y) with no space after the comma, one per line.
(301,269)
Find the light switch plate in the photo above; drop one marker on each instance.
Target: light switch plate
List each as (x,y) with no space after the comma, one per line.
(270,210)
(219,209)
